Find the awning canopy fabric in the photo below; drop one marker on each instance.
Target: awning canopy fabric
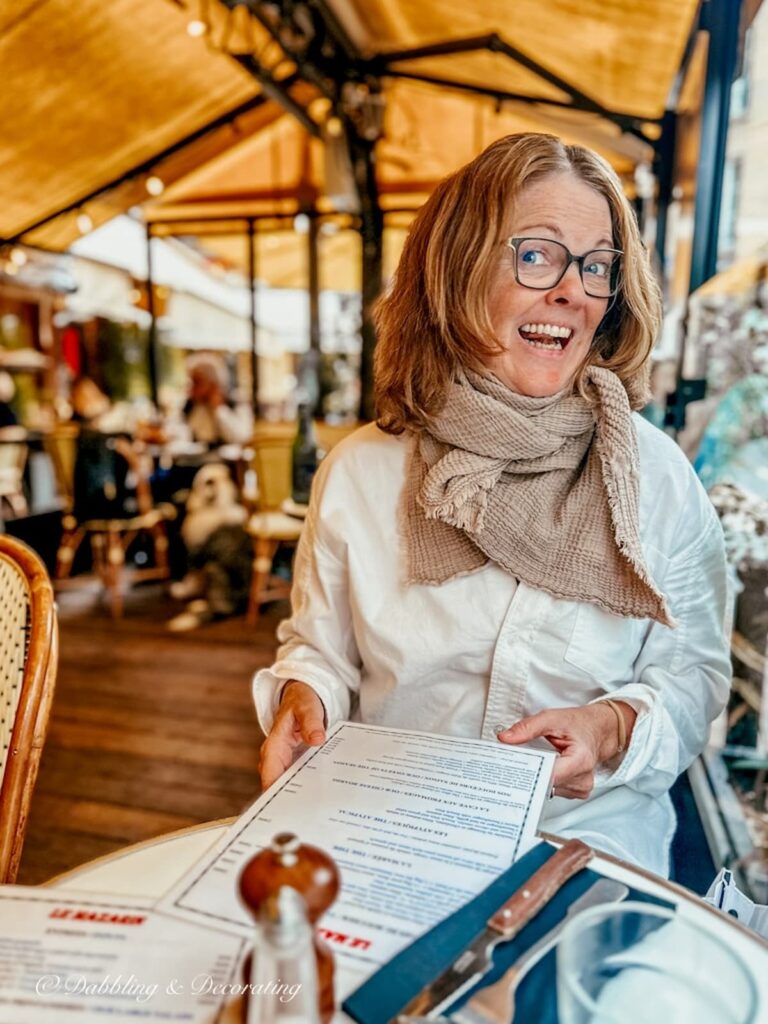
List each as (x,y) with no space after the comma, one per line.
(622,54)
(100,90)
(94,90)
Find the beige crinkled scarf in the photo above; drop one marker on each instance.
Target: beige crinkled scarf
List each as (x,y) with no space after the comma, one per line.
(547,488)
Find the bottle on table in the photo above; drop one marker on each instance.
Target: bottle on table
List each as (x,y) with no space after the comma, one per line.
(304,455)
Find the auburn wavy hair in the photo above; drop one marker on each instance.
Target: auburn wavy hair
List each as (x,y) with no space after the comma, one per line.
(434,318)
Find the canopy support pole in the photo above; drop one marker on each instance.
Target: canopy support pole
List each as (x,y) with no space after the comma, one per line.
(251,241)
(372,232)
(664,168)
(313,267)
(152,354)
(332,64)
(720,18)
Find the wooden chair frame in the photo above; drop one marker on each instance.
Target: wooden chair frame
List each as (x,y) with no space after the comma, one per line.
(269,527)
(111,538)
(31,719)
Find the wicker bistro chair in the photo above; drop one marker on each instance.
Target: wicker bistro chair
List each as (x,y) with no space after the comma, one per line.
(112,534)
(28,660)
(269,527)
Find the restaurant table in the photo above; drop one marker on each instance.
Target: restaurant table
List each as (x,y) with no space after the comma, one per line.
(147,870)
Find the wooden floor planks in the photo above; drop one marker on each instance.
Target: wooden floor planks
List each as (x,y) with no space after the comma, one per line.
(150,730)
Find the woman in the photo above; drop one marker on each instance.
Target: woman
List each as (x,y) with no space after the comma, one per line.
(210,418)
(511,552)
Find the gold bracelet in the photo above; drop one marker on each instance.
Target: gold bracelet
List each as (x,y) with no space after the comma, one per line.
(622,724)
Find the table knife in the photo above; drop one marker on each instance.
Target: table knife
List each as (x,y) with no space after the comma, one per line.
(495,1003)
(476,958)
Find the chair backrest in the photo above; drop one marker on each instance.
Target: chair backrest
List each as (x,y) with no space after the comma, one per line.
(272,445)
(28,661)
(272,462)
(61,445)
(329,434)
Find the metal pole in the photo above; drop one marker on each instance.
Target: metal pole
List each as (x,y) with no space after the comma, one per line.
(665,169)
(308,372)
(251,239)
(720,18)
(372,231)
(313,264)
(152,354)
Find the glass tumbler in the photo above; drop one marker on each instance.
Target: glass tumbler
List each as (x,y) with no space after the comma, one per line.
(637,963)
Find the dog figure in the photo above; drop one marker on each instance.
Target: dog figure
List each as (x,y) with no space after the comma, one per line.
(220,553)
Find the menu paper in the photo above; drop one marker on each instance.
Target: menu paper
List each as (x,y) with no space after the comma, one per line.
(71,957)
(417,823)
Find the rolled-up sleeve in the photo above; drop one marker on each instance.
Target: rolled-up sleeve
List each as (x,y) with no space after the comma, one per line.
(682,676)
(317,642)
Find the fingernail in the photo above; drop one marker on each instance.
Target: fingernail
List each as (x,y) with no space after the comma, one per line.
(499,728)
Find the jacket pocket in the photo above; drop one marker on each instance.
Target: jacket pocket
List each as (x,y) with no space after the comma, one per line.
(606,646)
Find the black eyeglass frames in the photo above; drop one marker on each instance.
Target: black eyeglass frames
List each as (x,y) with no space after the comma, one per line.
(541,263)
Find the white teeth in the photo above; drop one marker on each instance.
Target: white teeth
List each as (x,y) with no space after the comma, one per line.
(554,346)
(550,329)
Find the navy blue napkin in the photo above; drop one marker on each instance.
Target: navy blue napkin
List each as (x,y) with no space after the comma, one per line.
(392,987)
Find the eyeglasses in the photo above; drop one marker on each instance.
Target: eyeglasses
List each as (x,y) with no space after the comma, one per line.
(541,263)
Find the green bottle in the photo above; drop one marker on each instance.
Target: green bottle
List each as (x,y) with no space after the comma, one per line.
(304,455)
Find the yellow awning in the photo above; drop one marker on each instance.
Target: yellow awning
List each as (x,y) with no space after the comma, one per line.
(623,54)
(93,89)
(99,90)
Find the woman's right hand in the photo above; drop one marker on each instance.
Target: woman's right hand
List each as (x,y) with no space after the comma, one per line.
(298,722)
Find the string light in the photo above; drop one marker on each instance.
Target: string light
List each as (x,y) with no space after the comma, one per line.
(200,25)
(18,257)
(154,185)
(84,223)
(301,223)
(334,127)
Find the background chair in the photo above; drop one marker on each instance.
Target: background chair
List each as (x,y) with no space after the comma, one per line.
(92,471)
(28,660)
(269,527)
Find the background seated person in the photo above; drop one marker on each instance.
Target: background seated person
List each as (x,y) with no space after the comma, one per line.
(7,392)
(511,552)
(104,486)
(210,418)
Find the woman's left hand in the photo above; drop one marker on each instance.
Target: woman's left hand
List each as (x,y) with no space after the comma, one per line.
(584,737)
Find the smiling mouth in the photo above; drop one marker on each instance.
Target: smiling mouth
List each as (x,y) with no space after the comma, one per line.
(547,337)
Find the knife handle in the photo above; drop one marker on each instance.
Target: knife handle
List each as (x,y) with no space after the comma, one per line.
(525,904)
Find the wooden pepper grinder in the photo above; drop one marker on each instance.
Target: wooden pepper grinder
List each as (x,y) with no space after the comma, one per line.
(309,870)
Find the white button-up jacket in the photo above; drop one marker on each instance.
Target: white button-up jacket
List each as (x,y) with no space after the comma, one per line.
(482,650)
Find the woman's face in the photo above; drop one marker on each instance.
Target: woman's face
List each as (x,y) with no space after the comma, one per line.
(564,208)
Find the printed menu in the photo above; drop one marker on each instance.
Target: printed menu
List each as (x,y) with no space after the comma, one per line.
(418,824)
